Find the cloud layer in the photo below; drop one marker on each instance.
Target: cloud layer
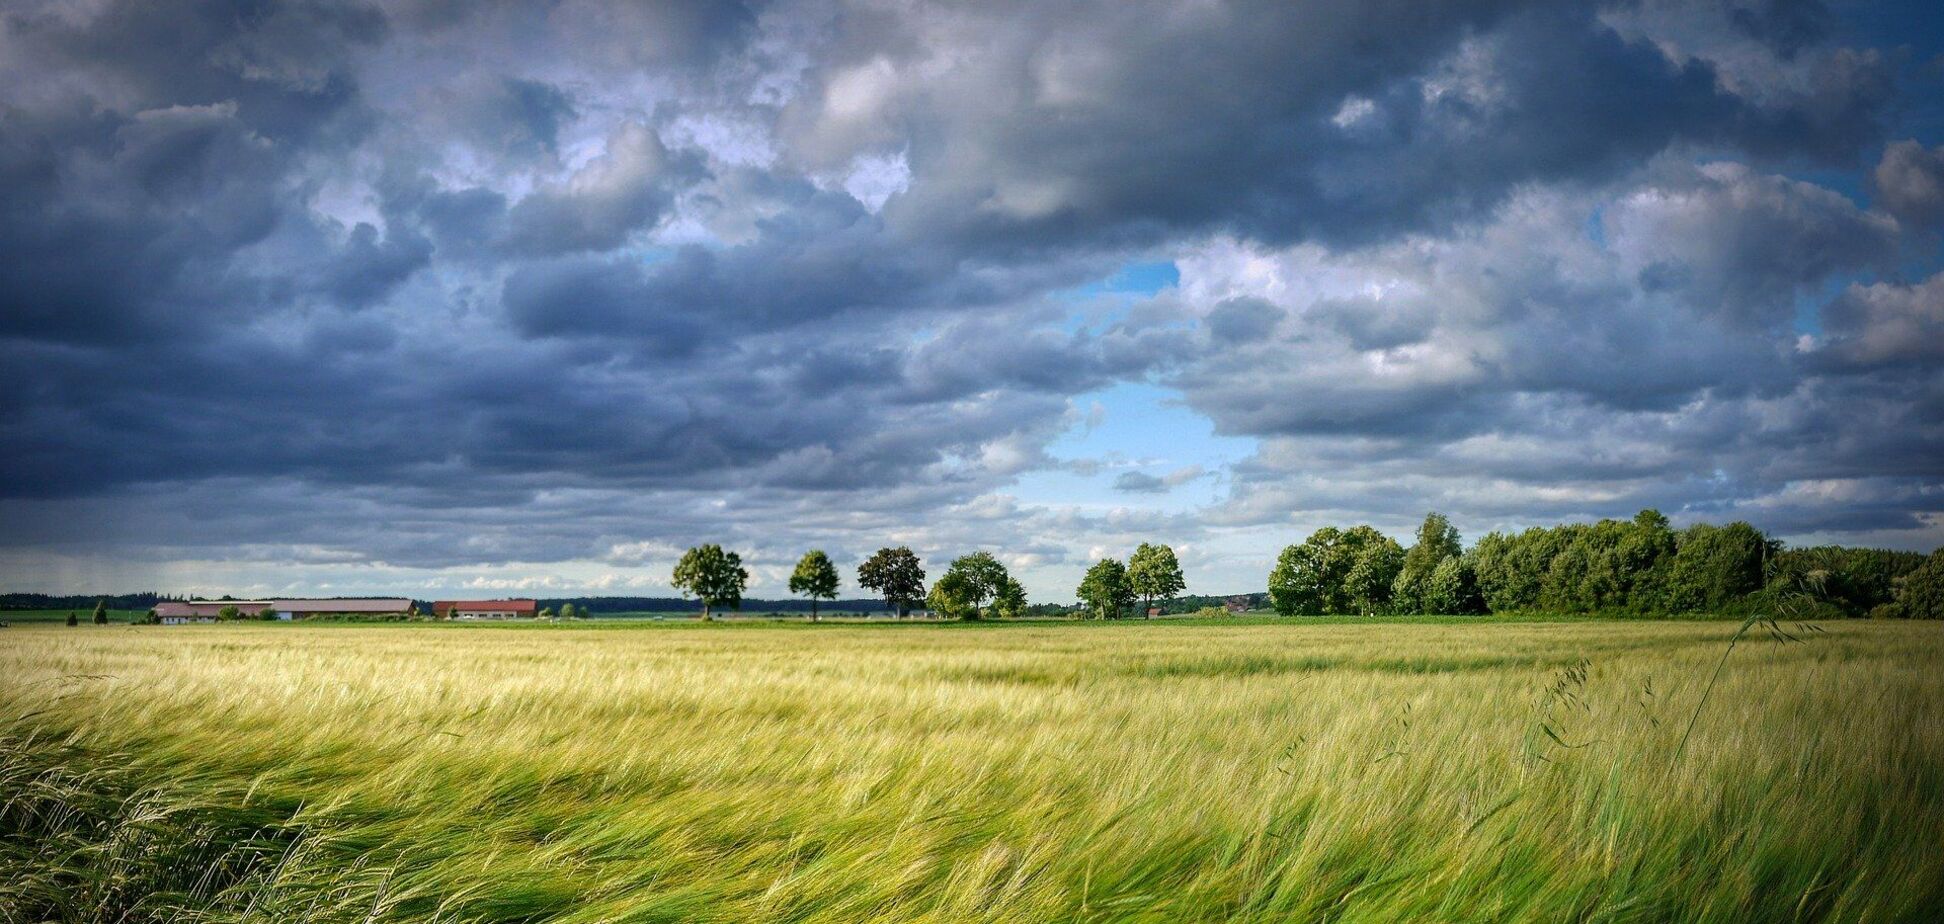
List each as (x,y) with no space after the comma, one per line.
(330,296)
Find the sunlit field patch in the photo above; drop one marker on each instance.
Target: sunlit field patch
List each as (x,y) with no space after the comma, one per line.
(1137,772)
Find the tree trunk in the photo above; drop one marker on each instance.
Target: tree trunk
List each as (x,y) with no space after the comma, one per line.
(813,609)
(705,612)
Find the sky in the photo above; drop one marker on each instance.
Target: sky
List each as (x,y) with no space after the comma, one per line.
(492,298)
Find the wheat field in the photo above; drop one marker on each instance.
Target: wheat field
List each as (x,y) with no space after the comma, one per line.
(1211,771)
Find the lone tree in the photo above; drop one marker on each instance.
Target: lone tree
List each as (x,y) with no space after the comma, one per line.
(983,576)
(101,613)
(71,620)
(896,575)
(228,613)
(567,611)
(816,578)
(715,577)
(1154,574)
(1105,589)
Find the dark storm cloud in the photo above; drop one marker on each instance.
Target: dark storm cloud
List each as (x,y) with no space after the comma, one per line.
(580,282)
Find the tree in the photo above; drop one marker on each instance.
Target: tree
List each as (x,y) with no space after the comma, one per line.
(1155,574)
(1715,565)
(714,576)
(1010,601)
(1453,589)
(953,596)
(896,575)
(267,614)
(228,613)
(1105,589)
(71,620)
(816,578)
(546,612)
(569,611)
(1437,540)
(983,575)
(1375,559)
(1920,594)
(1308,578)
(101,613)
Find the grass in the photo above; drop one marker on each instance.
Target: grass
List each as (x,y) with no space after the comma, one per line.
(1167,771)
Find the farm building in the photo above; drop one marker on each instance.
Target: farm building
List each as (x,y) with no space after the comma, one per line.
(177,612)
(485,609)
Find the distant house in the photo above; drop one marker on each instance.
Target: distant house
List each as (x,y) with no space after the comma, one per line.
(1236,604)
(485,609)
(178,612)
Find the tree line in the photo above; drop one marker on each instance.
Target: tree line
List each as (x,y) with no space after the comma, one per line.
(1639,567)
(974,586)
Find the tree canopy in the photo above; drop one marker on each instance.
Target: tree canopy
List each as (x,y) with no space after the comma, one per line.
(714,576)
(815,577)
(1105,589)
(1154,573)
(896,575)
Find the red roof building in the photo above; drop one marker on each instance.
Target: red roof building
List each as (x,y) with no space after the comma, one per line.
(484,609)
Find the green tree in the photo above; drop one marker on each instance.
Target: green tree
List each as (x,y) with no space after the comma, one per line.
(954,596)
(546,613)
(984,576)
(1437,540)
(1375,559)
(1010,601)
(1714,566)
(72,620)
(101,613)
(816,578)
(1302,581)
(228,613)
(896,575)
(714,576)
(1453,589)
(267,614)
(1155,574)
(1105,589)
(1920,593)
(569,611)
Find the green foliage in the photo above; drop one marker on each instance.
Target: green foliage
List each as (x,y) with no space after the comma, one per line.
(228,613)
(896,575)
(1154,574)
(816,578)
(1853,581)
(1010,600)
(954,596)
(101,613)
(714,576)
(267,614)
(1336,572)
(1920,593)
(1437,540)
(979,577)
(1715,565)
(1453,589)
(568,611)
(1105,589)
(72,620)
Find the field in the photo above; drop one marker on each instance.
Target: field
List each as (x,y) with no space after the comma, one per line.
(1177,771)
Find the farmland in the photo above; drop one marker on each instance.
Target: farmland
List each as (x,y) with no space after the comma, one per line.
(1246,770)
